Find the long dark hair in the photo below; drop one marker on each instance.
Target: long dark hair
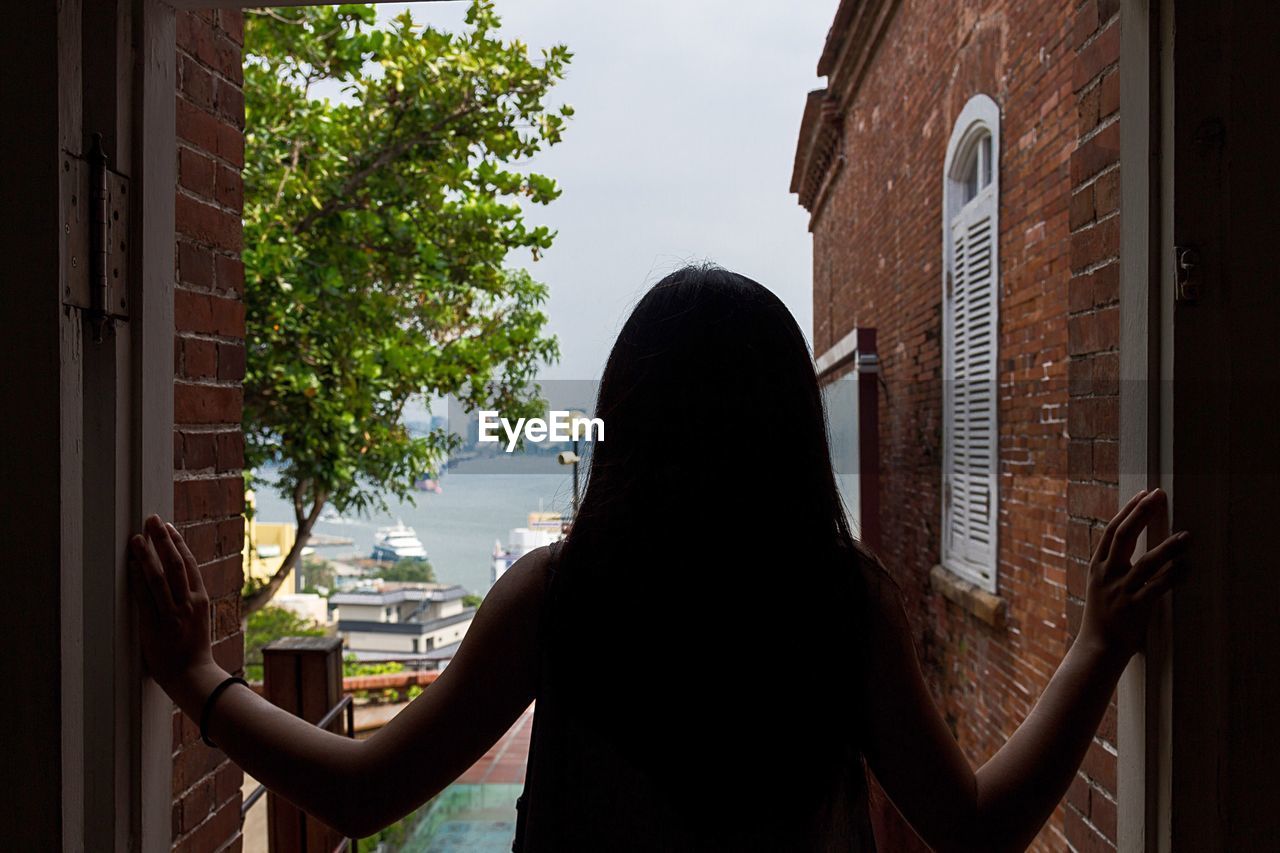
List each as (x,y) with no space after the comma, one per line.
(709,603)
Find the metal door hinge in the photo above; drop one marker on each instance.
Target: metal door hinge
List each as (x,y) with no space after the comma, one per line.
(95,236)
(1186,271)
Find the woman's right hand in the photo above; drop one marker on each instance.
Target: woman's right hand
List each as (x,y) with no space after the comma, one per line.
(1120,593)
(173,614)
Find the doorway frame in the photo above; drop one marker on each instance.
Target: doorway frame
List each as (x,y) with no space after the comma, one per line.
(1144,695)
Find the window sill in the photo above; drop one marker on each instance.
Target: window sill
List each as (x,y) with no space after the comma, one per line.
(985,606)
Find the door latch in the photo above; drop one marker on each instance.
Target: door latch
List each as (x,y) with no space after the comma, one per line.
(1186,271)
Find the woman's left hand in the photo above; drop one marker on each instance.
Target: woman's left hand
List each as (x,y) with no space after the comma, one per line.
(1121,591)
(173,607)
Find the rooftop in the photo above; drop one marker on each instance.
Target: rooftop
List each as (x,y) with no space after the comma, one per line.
(424,592)
(407,627)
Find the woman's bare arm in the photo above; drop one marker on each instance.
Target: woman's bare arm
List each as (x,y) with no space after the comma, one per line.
(1004,804)
(357,787)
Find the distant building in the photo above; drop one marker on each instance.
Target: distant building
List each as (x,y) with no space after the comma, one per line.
(265,545)
(419,624)
(542,528)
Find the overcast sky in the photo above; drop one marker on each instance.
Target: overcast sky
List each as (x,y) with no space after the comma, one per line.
(680,150)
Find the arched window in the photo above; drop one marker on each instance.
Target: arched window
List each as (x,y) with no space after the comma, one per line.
(971,280)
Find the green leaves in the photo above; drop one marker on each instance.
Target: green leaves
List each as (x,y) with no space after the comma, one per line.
(265,627)
(411,569)
(378,230)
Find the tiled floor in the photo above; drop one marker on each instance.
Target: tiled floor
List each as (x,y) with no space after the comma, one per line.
(467,817)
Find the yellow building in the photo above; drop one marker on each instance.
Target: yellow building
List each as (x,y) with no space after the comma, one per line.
(265,546)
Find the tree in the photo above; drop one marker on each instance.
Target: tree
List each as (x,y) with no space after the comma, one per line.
(377,231)
(413,569)
(268,625)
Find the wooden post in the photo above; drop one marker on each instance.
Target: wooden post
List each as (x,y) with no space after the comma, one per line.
(302,675)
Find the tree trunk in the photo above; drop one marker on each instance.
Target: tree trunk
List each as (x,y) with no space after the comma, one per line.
(306,520)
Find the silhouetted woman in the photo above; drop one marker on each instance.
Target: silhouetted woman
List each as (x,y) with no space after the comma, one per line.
(717,662)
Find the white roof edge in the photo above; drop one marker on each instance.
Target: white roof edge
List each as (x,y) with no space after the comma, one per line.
(842,350)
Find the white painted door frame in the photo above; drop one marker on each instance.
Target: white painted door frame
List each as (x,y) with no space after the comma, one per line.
(155,149)
(1146,368)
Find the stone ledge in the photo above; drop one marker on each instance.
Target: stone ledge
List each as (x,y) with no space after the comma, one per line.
(985,606)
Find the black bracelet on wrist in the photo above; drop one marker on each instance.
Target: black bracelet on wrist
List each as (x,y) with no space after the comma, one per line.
(208,706)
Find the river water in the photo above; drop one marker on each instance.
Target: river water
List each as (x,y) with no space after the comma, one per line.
(458,526)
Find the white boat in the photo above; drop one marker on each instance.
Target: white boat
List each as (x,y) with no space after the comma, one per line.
(397,543)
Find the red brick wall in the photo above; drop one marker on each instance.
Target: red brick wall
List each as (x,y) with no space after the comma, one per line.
(209,355)
(1093,335)
(877,262)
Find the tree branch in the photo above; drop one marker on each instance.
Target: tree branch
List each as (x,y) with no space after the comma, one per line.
(346,196)
(260,597)
(288,170)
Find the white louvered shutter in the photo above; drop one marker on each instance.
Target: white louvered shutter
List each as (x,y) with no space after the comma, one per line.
(969,496)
